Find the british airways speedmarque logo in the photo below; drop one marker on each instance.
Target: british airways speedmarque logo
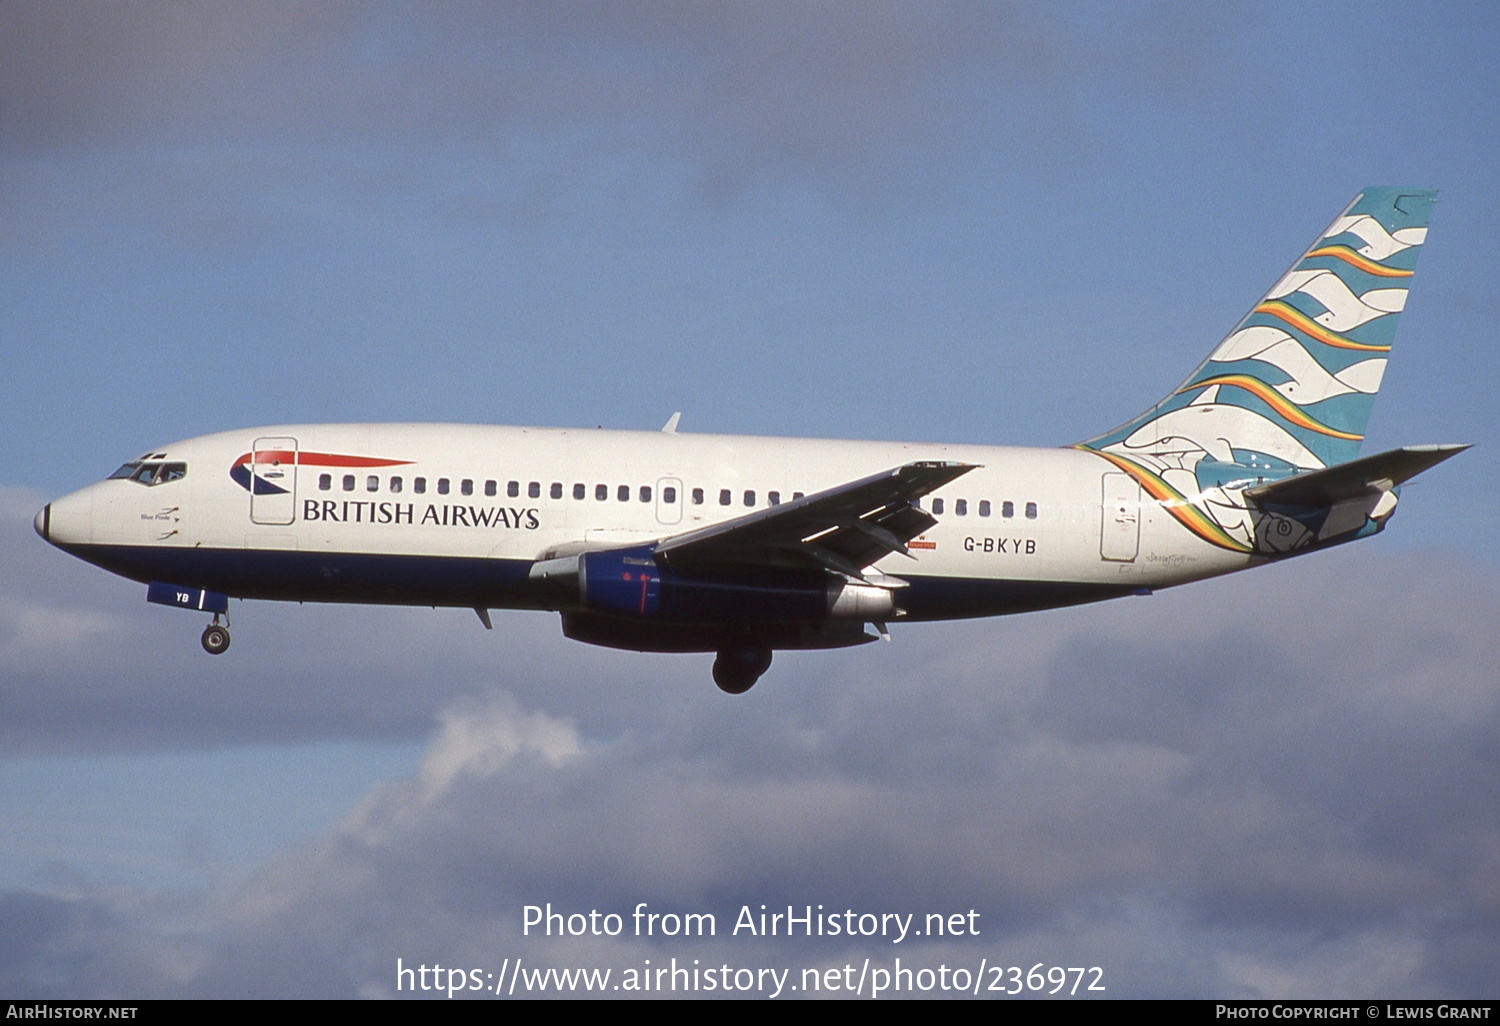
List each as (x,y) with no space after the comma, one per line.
(272,464)
(272,467)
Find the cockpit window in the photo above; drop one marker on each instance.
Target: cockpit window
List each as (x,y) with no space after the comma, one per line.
(150,473)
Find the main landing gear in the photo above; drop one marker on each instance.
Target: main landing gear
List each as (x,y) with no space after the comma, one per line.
(739,666)
(216,637)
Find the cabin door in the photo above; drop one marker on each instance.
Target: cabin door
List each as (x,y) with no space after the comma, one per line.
(1120,538)
(273,481)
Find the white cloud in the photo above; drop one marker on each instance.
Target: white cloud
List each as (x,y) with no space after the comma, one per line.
(481,742)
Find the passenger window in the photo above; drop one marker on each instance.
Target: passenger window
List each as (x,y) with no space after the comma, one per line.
(796,496)
(645,493)
(669,495)
(622,494)
(556,490)
(749,496)
(442,486)
(984,507)
(534,489)
(513,488)
(419,485)
(937,507)
(1007,509)
(372,483)
(724,498)
(396,485)
(466,486)
(1031,511)
(490,488)
(348,482)
(601,492)
(697,496)
(774,498)
(961,507)
(325,482)
(579,491)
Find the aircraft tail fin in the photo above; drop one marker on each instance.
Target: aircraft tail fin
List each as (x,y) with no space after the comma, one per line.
(1291,387)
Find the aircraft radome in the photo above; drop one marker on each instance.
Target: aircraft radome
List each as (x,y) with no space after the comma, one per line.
(670,541)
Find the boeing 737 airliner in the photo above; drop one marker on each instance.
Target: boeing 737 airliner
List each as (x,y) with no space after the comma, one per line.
(668,541)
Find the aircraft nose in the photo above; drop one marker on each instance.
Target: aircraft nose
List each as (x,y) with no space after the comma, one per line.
(67,521)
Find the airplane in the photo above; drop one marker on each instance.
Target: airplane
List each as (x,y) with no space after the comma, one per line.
(671,541)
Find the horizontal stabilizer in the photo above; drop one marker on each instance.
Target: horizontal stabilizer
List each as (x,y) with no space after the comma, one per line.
(1348,480)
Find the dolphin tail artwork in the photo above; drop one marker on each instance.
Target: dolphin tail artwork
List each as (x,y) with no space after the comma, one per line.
(1256,451)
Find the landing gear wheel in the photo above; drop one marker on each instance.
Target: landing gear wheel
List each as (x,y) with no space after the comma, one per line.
(215,639)
(737,669)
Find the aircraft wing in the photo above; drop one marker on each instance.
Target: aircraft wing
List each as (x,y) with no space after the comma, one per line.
(844,529)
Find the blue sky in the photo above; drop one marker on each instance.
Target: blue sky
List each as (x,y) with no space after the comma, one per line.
(947,221)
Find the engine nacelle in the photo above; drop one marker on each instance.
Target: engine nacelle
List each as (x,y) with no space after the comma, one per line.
(624,581)
(637,583)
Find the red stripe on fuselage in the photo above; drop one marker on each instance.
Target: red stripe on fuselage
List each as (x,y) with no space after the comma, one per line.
(315,459)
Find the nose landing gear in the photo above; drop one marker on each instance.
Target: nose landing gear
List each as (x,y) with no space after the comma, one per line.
(216,637)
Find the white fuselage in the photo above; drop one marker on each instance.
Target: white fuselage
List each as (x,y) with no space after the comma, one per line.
(474,496)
